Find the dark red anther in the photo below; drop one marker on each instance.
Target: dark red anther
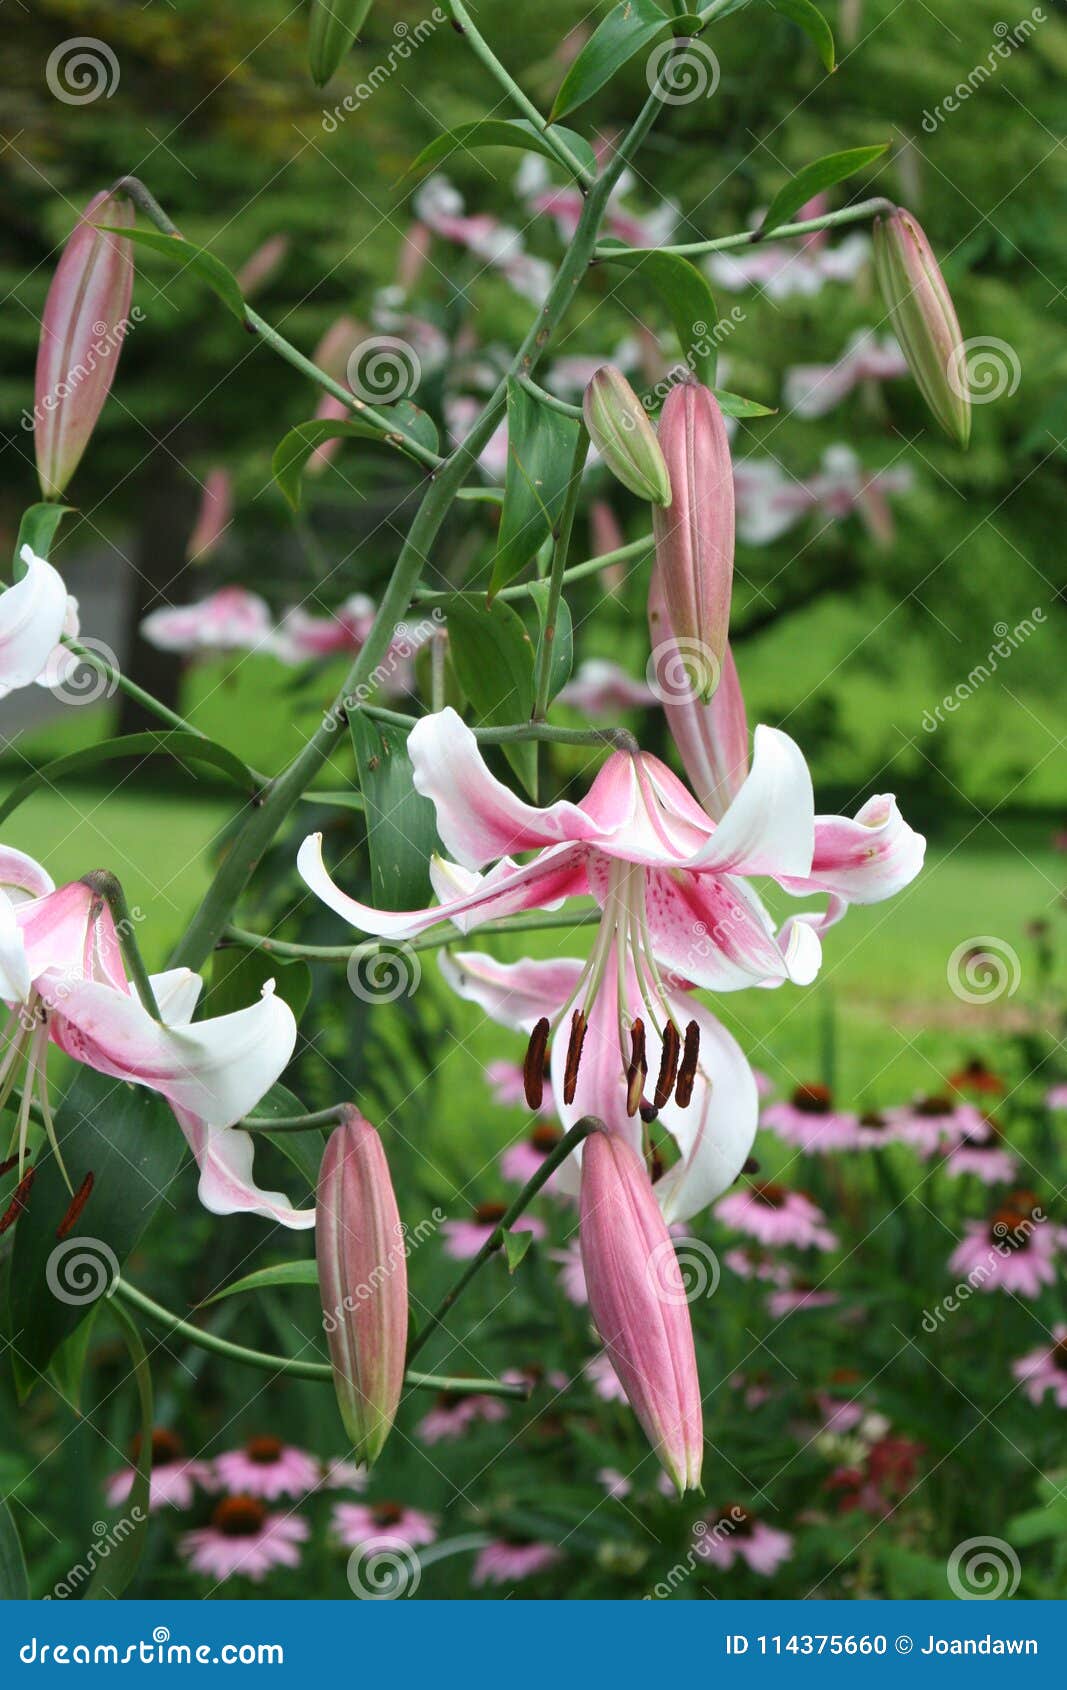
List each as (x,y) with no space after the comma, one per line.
(751,1166)
(649,1112)
(637,1073)
(668,1067)
(533,1069)
(77,1204)
(687,1068)
(574,1055)
(18,1200)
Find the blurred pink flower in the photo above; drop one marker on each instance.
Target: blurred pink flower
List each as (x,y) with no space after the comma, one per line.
(786,269)
(1015,1250)
(300,635)
(214,516)
(465,1238)
(775,1215)
(266,1467)
(801,1294)
(244,1539)
(753,1264)
(617,1485)
(813,389)
(733,1533)
(1045,1369)
(571,1274)
(603,1378)
(504,1562)
(603,688)
(770,501)
(233,619)
(810,1122)
(362,1525)
(174,1478)
(935,1123)
(340,1474)
(1056,1098)
(440,207)
(521,1161)
(980,1150)
(452,1415)
(839,1414)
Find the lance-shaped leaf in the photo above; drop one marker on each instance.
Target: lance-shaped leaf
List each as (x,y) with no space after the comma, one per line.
(83,327)
(493,659)
(184,747)
(332,27)
(541,446)
(814,178)
(37,529)
(361,1252)
(628,27)
(266,1279)
(295,448)
(687,299)
(195,261)
(501,132)
(239,974)
(808,17)
(401,826)
(14,1581)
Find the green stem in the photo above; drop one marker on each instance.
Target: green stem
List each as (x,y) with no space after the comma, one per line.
(543,397)
(485,55)
(105,885)
(561,546)
(755,237)
(291,1364)
(567,1143)
(577,572)
(619,739)
(294,1123)
(428,942)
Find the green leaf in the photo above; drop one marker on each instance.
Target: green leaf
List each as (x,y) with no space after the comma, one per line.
(686,297)
(282,1273)
(239,974)
(401,829)
(292,453)
(127,1138)
(493,658)
(814,25)
(37,530)
(332,27)
(501,132)
(303,1149)
(14,1581)
(624,32)
(562,641)
(115,1570)
(174,743)
(732,405)
(541,446)
(187,257)
(516,1245)
(835,167)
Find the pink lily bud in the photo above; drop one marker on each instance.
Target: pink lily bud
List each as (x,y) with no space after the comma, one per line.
(924,317)
(695,535)
(712,739)
(84,324)
(637,1300)
(363,1282)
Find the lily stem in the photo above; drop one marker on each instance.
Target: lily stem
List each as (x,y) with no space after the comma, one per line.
(561,546)
(752,237)
(320,1370)
(429,941)
(107,886)
(567,1143)
(619,739)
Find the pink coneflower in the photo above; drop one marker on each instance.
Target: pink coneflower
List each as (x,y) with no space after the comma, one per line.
(571,1274)
(975,1077)
(810,1121)
(521,1161)
(1056,1098)
(244,1539)
(174,1479)
(1012,1251)
(339,1474)
(774,1215)
(505,1562)
(981,1152)
(603,1378)
(465,1238)
(267,1467)
(754,1264)
(800,1294)
(453,1413)
(1045,1369)
(733,1533)
(362,1525)
(874,1128)
(934,1122)
(534,1375)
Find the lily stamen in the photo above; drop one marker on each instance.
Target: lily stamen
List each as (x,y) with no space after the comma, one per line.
(687,1070)
(73,1214)
(18,1201)
(637,1072)
(533,1068)
(668,1067)
(579,1024)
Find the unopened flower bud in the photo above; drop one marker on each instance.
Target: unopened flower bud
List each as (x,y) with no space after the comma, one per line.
(924,317)
(83,327)
(621,432)
(332,28)
(362,1261)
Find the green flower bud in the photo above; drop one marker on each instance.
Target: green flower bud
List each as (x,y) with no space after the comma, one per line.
(924,318)
(621,432)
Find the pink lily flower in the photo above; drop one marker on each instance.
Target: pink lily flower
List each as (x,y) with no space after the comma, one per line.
(1045,1369)
(244,1539)
(811,390)
(63,979)
(675,913)
(35,613)
(564,205)
(638,1304)
(770,502)
(233,619)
